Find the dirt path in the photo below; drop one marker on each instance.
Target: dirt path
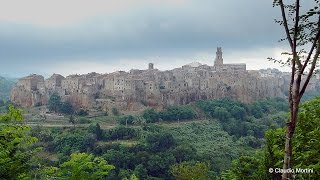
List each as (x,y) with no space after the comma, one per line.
(110,126)
(103,126)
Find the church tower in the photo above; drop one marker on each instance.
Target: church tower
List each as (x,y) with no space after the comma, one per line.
(150,67)
(219,60)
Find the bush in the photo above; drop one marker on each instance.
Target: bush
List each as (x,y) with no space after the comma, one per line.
(160,142)
(83,120)
(97,131)
(115,111)
(56,105)
(83,112)
(54,102)
(177,113)
(126,120)
(121,133)
(188,170)
(66,108)
(150,115)
(67,143)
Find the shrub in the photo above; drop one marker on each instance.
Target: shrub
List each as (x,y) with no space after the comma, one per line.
(83,112)
(115,111)
(150,115)
(83,120)
(126,120)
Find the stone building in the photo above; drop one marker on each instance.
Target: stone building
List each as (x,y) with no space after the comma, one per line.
(230,68)
(29,91)
(54,81)
(136,89)
(30,82)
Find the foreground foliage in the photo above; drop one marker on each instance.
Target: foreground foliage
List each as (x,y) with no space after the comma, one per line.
(81,166)
(15,146)
(301,24)
(306,152)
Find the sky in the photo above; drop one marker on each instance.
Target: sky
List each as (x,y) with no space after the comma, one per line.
(82,36)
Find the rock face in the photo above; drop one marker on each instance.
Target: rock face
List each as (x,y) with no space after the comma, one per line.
(29,91)
(136,89)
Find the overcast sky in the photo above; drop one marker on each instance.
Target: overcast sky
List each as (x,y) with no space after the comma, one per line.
(82,36)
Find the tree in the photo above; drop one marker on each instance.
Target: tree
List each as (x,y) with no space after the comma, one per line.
(305,148)
(248,168)
(238,112)
(184,152)
(56,105)
(83,112)
(15,146)
(81,166)
(115,111)
(221,113)
(72,120)
(132,177)
(189,171)
(174,113)
(305,144)
(159,164)
(302,29)
(73,141)
(66,108)
(160,142)
(54,102)
(121,133)
(98,132)
(141,171)
(126,120)
(150,115)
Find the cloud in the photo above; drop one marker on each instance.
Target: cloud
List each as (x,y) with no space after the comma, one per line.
(37,34)
(61,12)
(254,58)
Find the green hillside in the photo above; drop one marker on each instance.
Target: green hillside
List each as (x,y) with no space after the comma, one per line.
(6,85)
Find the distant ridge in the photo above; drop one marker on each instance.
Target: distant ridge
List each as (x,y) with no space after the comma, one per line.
(6,85)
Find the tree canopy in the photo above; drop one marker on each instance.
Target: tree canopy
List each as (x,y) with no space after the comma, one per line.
(15,146)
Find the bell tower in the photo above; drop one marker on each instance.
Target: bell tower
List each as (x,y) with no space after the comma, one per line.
(219,60)
(150,67)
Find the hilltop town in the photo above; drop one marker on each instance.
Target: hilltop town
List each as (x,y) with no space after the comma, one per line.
(137,89)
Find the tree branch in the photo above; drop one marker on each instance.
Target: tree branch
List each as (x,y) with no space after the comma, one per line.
(285,24)
(313,66)
(293,64)
(295,36)
(314,61)
(293,70)
(312,47)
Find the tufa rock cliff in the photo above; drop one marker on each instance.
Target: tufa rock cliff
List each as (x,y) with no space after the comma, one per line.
(136,89)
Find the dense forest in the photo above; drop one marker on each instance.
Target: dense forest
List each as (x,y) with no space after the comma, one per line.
(212,139)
